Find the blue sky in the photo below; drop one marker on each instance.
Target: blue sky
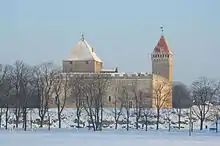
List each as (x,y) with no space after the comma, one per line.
(122,32)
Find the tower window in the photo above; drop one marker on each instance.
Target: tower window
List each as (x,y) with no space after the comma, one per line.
(109,99)
(71,62)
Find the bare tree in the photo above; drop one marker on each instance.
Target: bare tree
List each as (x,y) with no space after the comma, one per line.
(214,110)
(61,88)
(139,102)
(162,92)
(94,93)
(178,112)
(147,113)
(18,90)
(190,117)
(146,110)
(3,74)
(21,78)
(118,105)
(180,99)
(6,89)
(168,113)
(27,91)
(125,95)
(44,75)
(77,82)
(214,115)
(203,92)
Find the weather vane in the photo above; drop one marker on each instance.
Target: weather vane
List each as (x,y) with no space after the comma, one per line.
(161,28)
(82,36)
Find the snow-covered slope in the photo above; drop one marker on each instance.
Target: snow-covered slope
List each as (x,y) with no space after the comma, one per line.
(69,119)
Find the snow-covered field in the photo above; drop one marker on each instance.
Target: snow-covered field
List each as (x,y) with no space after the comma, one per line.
(70,137)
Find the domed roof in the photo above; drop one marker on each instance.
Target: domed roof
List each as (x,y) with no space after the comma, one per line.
(83,51)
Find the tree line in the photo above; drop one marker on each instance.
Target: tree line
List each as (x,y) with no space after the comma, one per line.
(24,87)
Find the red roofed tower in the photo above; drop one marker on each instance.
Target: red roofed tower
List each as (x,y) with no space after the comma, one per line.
(162,58)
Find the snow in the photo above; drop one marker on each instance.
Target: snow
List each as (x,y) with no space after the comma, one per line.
(68,137)
(69,117)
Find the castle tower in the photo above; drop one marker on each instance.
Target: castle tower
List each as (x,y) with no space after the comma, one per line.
(82,59)
(162,59)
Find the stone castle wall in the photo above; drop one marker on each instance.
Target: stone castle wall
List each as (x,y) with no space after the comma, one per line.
(133,85)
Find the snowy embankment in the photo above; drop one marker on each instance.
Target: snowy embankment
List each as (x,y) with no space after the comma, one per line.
(69,119)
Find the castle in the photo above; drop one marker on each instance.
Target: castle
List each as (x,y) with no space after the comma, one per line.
(156,87)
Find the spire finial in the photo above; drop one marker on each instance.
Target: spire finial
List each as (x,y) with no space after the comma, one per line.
(82,36)
(161,28)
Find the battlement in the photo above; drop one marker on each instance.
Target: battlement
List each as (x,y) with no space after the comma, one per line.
(113,75)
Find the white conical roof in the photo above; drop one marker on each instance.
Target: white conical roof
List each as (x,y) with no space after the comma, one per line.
(83,51)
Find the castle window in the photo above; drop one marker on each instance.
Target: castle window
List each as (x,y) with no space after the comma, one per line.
(87,62)
(168,56)
(109,98)
(71,62)
(130,104)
